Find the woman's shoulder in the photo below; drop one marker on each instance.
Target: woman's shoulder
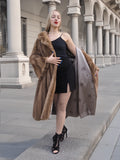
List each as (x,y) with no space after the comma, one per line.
(66,35)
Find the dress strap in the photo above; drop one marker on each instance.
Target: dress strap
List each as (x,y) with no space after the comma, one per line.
(61,34)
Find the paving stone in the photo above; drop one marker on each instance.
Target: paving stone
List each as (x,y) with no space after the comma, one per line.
(108,148)
(116,153)
(115,121)
(43,148)
(118,141)
(5,137)
(26,139)
(103,152)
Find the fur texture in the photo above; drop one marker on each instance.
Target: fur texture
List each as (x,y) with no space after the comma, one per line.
(46,74)
(47,77)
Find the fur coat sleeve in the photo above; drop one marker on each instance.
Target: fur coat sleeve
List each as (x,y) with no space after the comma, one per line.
(46,74)
(93,69)
(83,99)
(37,59)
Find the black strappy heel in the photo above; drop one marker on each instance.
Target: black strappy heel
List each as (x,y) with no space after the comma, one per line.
(64,132)
(56,143)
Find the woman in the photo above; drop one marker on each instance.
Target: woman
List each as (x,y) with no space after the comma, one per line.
(56,75)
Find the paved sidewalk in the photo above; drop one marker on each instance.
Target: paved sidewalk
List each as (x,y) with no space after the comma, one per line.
(22,138)
(109,146)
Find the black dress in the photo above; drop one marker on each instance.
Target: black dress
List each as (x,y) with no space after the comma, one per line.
(65,70)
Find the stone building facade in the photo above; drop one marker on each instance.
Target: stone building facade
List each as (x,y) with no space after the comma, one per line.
(93,24)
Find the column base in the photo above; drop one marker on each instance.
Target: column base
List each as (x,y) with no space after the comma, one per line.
(113,59)
(100,61)
(15,71)
(118,59)
(107,60)
(15,86)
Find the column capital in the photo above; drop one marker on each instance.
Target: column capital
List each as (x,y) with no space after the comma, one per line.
(74,10)
(117,33)
(99,23)
(75,15)
(112,31)
(107,27)
(89,18)
(52,4)
(52,1)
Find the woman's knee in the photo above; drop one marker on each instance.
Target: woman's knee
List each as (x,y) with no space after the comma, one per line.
(61,107)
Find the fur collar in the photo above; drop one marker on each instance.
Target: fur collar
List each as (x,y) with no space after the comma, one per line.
(44,39)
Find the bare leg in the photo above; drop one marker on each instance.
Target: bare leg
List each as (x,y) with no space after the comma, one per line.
(62,101)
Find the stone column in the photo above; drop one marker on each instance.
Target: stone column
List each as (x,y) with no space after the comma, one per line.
(74,11)
(107,41)
(52,4)
(117,46)
(14,66)
(89,38)
(99,41)
(113,57)
(100,57)
(112,44)
(14,26)
(75,30)
(89,35)
(107,58)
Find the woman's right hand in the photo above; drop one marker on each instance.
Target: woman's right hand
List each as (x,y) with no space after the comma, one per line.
(53,60)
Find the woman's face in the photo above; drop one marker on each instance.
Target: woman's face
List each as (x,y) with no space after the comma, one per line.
(55,19)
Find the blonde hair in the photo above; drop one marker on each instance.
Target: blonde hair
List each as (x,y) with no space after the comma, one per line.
(47,29)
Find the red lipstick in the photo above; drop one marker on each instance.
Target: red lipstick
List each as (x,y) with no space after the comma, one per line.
(56,22)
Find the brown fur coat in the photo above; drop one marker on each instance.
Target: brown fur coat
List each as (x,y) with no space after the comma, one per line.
(46,74)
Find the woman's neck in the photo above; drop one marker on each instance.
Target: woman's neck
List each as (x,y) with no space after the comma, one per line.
(53,30)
